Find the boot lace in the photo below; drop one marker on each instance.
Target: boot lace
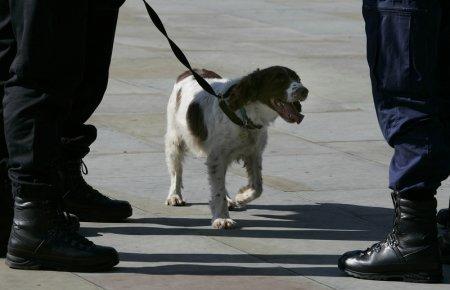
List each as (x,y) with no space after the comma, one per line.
(59,230)
(71,238)
(76,172)
(392,238)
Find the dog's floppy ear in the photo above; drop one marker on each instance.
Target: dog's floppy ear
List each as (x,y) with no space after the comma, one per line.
(245,91)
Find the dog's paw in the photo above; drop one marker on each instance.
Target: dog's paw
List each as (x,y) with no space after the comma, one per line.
(175,200)
(224,224)
(234,206)
(231,204)
(245,196)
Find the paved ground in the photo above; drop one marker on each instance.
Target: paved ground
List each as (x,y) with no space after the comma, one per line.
(325,181)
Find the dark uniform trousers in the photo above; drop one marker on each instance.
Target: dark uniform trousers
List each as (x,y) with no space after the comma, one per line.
(408,50)
(54,62)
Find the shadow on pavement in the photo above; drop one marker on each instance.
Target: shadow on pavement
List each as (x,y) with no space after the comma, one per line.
(189,268)
(327,221)
(230,258)
(210,270)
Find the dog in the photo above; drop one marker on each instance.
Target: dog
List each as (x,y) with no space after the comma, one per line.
(196,123)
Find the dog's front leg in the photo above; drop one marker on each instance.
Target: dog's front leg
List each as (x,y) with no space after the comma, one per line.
(175,150)
(253,164)
(217,168)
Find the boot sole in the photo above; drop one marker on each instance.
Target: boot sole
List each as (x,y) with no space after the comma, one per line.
(109,219)
(39,264)
(420,277)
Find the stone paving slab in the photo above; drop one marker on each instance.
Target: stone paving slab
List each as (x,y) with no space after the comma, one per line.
(325,181)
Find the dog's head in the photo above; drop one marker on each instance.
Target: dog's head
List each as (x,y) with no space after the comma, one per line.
(277,87)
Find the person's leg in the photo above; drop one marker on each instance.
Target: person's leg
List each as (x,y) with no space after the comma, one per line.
(80,198)
(7,53)
(444,84)
(403,41)
(45,73)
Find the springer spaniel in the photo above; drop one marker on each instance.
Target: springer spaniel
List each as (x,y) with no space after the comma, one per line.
(195,122)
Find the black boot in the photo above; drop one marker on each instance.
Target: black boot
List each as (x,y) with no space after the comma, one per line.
(444,245)
(6,213)
(87,203)
(444,240)
(40,239)
(409,253)
(443,218)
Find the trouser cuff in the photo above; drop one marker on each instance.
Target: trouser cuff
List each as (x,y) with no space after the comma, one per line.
(77,140)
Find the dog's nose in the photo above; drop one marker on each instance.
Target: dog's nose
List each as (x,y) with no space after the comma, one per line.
(302,93)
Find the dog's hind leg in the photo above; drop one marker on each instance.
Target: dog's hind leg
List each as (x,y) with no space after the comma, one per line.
(253,164)
(175,151)
(232,205)
(217,168)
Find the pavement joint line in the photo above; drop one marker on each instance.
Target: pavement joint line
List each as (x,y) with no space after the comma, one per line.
(127,82)
(322,56)
(130,113)
(127,153)
(359,157)
(135,94)
(163,50)
(350,110)
(343,189)
(85,279)
(353,156)
(325,97)
(356,141)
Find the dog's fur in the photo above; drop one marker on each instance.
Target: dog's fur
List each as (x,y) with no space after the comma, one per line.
(196,123)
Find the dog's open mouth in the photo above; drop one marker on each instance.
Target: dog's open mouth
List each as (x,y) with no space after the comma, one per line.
(290,112)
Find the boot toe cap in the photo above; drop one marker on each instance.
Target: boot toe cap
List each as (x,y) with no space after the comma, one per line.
(123,209)
(102,258)
(348,260)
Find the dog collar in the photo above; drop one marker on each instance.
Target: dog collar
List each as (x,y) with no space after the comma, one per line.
(244,120)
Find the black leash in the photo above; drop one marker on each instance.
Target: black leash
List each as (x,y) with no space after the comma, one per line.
(246,122)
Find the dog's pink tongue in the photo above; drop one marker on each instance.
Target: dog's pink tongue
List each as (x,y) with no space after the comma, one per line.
(290,114)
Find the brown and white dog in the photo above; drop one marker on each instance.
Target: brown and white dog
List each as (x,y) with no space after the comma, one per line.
(196,123)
